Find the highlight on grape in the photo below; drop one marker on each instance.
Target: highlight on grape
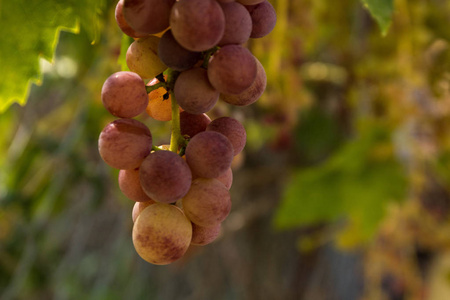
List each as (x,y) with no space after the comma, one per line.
(186,56)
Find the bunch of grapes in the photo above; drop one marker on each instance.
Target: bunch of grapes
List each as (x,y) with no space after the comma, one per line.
(190,53)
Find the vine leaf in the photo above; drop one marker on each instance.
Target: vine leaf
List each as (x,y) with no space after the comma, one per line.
(29,31)
(381,11)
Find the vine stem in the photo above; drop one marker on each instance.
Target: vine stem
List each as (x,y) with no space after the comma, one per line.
(176,139)
(176,130)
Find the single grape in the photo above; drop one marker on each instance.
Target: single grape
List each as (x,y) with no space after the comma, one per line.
(130,185)
(124,94)
(202,236)
(209,154)
(238,24)
(197,25)
(159,108)
(147,16)
(232,69)
(124,143)
(138,208)
(123,25)
(142,57)
(226,178)
(174,55)
(193,91)
(191,124)
(161,234)
(232,129)
(165,176)
(251,94)
(263,17)
(207,203)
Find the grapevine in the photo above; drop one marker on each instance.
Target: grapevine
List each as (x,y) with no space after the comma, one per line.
(191,53)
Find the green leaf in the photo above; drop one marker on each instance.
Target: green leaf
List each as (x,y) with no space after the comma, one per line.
(381,11)
(356,184)
(29,31)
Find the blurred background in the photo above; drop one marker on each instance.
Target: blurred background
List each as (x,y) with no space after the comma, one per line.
(342,192)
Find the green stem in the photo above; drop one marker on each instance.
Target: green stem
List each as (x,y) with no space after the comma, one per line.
(151,88)
(176,140)
(155,148)
(207,56)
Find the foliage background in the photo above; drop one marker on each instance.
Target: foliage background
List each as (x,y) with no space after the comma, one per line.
(342,193)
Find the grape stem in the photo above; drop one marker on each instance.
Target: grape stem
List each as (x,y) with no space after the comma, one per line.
(176,139)
(151,88)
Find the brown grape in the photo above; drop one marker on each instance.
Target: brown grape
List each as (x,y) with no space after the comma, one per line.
(263,17)
(191,124)
(232,69)
(165,176)
(197,25)
(232,129)
(124,94)
(209,154)
(207,203)
(124,143)
(161,234)
(138,208)
(202,236)
(238,24)
(123,25)
(174,55)
(142,57)
(226,178)
(193,91)
(147,16)
(130,185)
(251,94)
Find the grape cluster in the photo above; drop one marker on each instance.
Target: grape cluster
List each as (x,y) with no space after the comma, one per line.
(186,55)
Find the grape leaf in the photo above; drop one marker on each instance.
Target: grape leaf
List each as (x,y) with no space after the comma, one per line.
(381,11)
(356,183)
(29,31)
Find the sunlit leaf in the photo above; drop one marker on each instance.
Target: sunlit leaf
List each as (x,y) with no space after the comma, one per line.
(381,11)
(29,30)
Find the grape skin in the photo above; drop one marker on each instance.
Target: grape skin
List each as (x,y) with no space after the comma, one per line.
(197,25)
(232,69)
(124,143)
(165,176)
(130,185)
(226,178)
(158,108)
(191,124)
(263,17)
(209,154)
(161,234)
(174,55)
(232,129)
(123,25)
(194,92)
(124,94)
(249,2)
(142,57)
(138,208)
(238,24)
(252,94)
(207,203)
(202,236)
(147,16)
